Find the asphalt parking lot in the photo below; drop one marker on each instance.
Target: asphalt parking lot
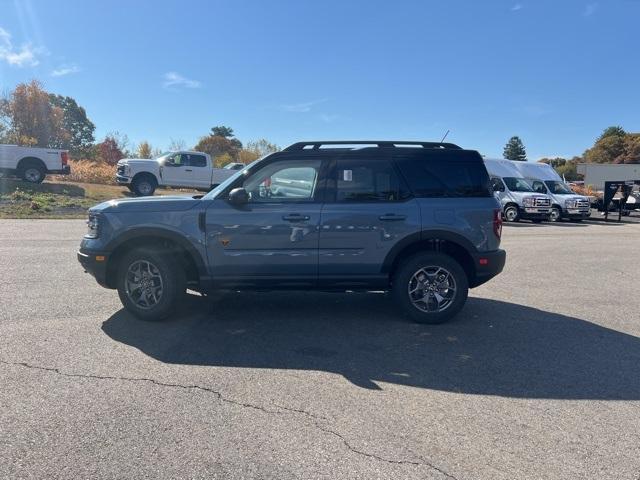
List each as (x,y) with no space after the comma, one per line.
(538,378)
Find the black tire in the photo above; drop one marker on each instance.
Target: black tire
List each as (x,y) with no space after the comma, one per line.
(511,213)
(144,185)
(32,171)
(404,279)
(173,281)
(555,215)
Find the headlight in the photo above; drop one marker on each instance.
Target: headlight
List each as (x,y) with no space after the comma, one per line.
(127,170)
(93,226)
(571,204)
(529,201)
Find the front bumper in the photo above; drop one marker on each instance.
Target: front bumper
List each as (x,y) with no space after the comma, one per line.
(573,213)
(122,180)
(487,265)
(94,263)
(65,170)
(534,213)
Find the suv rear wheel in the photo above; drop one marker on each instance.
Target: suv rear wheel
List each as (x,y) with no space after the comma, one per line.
(150,284)
(430,287)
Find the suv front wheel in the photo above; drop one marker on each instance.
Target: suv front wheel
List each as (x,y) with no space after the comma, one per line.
(150,284)
(430,287)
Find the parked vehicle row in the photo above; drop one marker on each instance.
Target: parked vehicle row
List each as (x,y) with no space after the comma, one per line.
(534,191)
(33,164)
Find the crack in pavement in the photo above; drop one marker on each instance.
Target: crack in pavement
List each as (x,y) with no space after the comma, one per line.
(424,463)
(224,399)
(141,379)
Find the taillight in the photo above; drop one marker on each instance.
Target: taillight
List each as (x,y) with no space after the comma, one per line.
(497,222)
(65,158)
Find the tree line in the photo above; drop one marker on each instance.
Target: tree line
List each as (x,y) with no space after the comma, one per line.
(614,145)
(31,116)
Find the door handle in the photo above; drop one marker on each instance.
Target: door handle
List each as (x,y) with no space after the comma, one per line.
(391,217)
(295,217)
(188,170)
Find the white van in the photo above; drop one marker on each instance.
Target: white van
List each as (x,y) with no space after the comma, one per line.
(516,196)
(565,203)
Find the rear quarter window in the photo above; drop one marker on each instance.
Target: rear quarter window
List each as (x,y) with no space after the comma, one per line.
(445,173)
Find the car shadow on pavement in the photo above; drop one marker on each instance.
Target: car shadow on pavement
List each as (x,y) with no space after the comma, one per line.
(585,223)
(492,348)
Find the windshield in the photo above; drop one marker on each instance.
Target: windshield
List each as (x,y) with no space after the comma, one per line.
(161,155)
(212,194)
(558,188)
(517,184)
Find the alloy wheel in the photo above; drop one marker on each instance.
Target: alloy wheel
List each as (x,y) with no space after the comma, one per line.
(143,284)
(432,289)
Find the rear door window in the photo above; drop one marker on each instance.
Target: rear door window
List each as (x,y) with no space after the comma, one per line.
(197,160)
(445,173)
(368,180)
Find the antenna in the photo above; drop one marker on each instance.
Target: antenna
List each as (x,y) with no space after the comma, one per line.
(445,136)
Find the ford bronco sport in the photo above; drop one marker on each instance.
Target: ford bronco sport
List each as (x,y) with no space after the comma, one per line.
(416,218)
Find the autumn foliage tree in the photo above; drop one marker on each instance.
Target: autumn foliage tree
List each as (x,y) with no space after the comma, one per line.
(614,145)
(144,150)
(31,119)
(256,149)
(109,151)
(220,143)
(567,169)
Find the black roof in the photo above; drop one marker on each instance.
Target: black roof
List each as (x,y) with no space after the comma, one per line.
(348,144)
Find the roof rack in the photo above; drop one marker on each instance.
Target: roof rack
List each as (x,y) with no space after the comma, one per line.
(379,143)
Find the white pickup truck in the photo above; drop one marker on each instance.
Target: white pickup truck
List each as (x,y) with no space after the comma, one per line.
(33,164)
(172,169)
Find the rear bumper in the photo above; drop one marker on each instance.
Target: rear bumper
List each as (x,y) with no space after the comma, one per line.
(487,266)
(92,265)
(65,170)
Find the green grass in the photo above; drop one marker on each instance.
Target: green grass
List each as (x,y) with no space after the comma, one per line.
(20,199)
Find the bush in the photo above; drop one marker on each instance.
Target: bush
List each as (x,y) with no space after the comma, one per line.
(586,190)
(87,171)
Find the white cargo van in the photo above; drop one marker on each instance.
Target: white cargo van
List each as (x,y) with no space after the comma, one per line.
(516,196)
(565,203)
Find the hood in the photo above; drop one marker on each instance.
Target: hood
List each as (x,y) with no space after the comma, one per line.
(521,195)
(132,161)
(574,197)
(172,203)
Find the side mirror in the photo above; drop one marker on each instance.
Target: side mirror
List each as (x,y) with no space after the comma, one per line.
(238,197)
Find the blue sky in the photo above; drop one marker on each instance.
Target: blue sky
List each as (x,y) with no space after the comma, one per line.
(556,73)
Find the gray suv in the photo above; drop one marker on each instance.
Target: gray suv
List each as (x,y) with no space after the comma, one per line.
(418,219)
